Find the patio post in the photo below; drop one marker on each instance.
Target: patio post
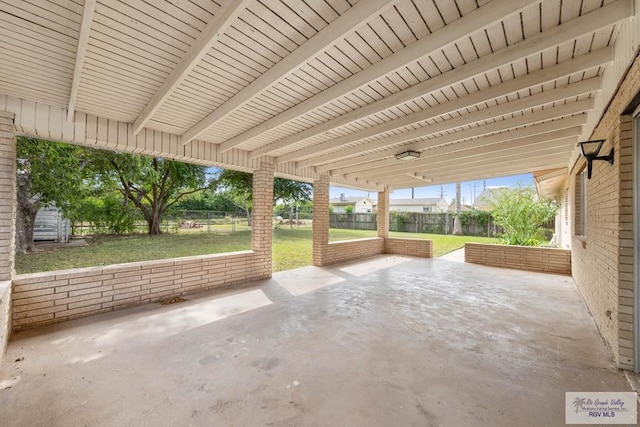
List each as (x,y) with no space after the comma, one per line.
(7,195)
(320,219)
(262,212)
(7,221)
(383,213)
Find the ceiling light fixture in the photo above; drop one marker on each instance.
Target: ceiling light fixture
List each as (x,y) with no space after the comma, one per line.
(408,155)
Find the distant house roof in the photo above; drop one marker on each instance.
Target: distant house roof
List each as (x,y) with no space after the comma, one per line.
(416,202)
(486,198)
(350,200)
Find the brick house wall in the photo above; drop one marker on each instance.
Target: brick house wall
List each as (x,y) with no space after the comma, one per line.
(602,254)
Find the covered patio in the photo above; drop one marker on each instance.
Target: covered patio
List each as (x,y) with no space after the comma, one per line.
(374,95)
(391,340)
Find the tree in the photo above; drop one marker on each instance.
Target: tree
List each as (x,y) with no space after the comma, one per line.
(152,184)
(285,190)
(47,172)
(240,184)
(208,200)
(348,209)
(522,214)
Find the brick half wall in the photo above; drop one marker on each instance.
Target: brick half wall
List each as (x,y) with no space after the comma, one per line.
(412,247)
(51,297)
(546,260)
(349,250)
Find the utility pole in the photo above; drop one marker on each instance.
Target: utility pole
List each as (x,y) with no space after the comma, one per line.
(412,192)
(457,226)
(442,192)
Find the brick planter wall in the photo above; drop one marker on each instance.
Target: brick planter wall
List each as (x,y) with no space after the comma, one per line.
(352,249)
(50,297)
(412,247)
(349,250)
(547,260)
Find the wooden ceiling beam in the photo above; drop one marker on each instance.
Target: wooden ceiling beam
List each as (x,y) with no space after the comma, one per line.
(485,168)
(81,50)
(201,46)
(525,144)
(339,28)
(550,74)
(575,123)
(480,18)
(331,160)
(593,21)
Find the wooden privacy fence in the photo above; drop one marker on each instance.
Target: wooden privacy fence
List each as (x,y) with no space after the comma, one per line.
(353,221)
(417,222)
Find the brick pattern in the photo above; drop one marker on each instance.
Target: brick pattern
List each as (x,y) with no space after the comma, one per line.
(383,213)
(546,260)
(262,212)
(320,225)
(625,243)
(410,247)
(7,221)
(7,195)
(603,258)
(349,250)
(50,297)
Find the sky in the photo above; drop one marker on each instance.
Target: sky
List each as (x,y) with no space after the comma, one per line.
(468,189)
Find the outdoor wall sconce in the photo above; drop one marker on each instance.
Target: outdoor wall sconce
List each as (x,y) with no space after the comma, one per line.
(408,155)
(590,151)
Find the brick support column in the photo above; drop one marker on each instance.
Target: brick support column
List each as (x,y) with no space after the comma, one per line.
(7,221)
(7,195)
(320,219)
(262,211)
(383,213)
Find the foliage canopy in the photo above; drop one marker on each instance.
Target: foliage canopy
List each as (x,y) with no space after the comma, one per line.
(47,172)
(151,184)
(522,214)
(285,190)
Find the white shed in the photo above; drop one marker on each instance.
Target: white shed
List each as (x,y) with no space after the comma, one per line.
(51,225)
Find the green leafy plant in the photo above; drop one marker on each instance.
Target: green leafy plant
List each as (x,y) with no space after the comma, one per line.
(399,220)
(523,215)
(348,209)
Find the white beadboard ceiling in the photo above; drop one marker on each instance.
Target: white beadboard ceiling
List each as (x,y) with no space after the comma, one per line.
(480,88)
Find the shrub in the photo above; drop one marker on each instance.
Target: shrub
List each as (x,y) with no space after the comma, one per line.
(522,215)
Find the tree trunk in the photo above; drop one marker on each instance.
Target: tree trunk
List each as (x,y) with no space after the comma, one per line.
(25,216)
(154,228)
(155,221)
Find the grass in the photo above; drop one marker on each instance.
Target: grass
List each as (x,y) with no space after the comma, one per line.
(291,248)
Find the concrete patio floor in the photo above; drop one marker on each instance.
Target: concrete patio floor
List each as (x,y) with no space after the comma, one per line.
(389,341)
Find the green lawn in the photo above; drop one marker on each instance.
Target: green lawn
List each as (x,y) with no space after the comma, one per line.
(291,248)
